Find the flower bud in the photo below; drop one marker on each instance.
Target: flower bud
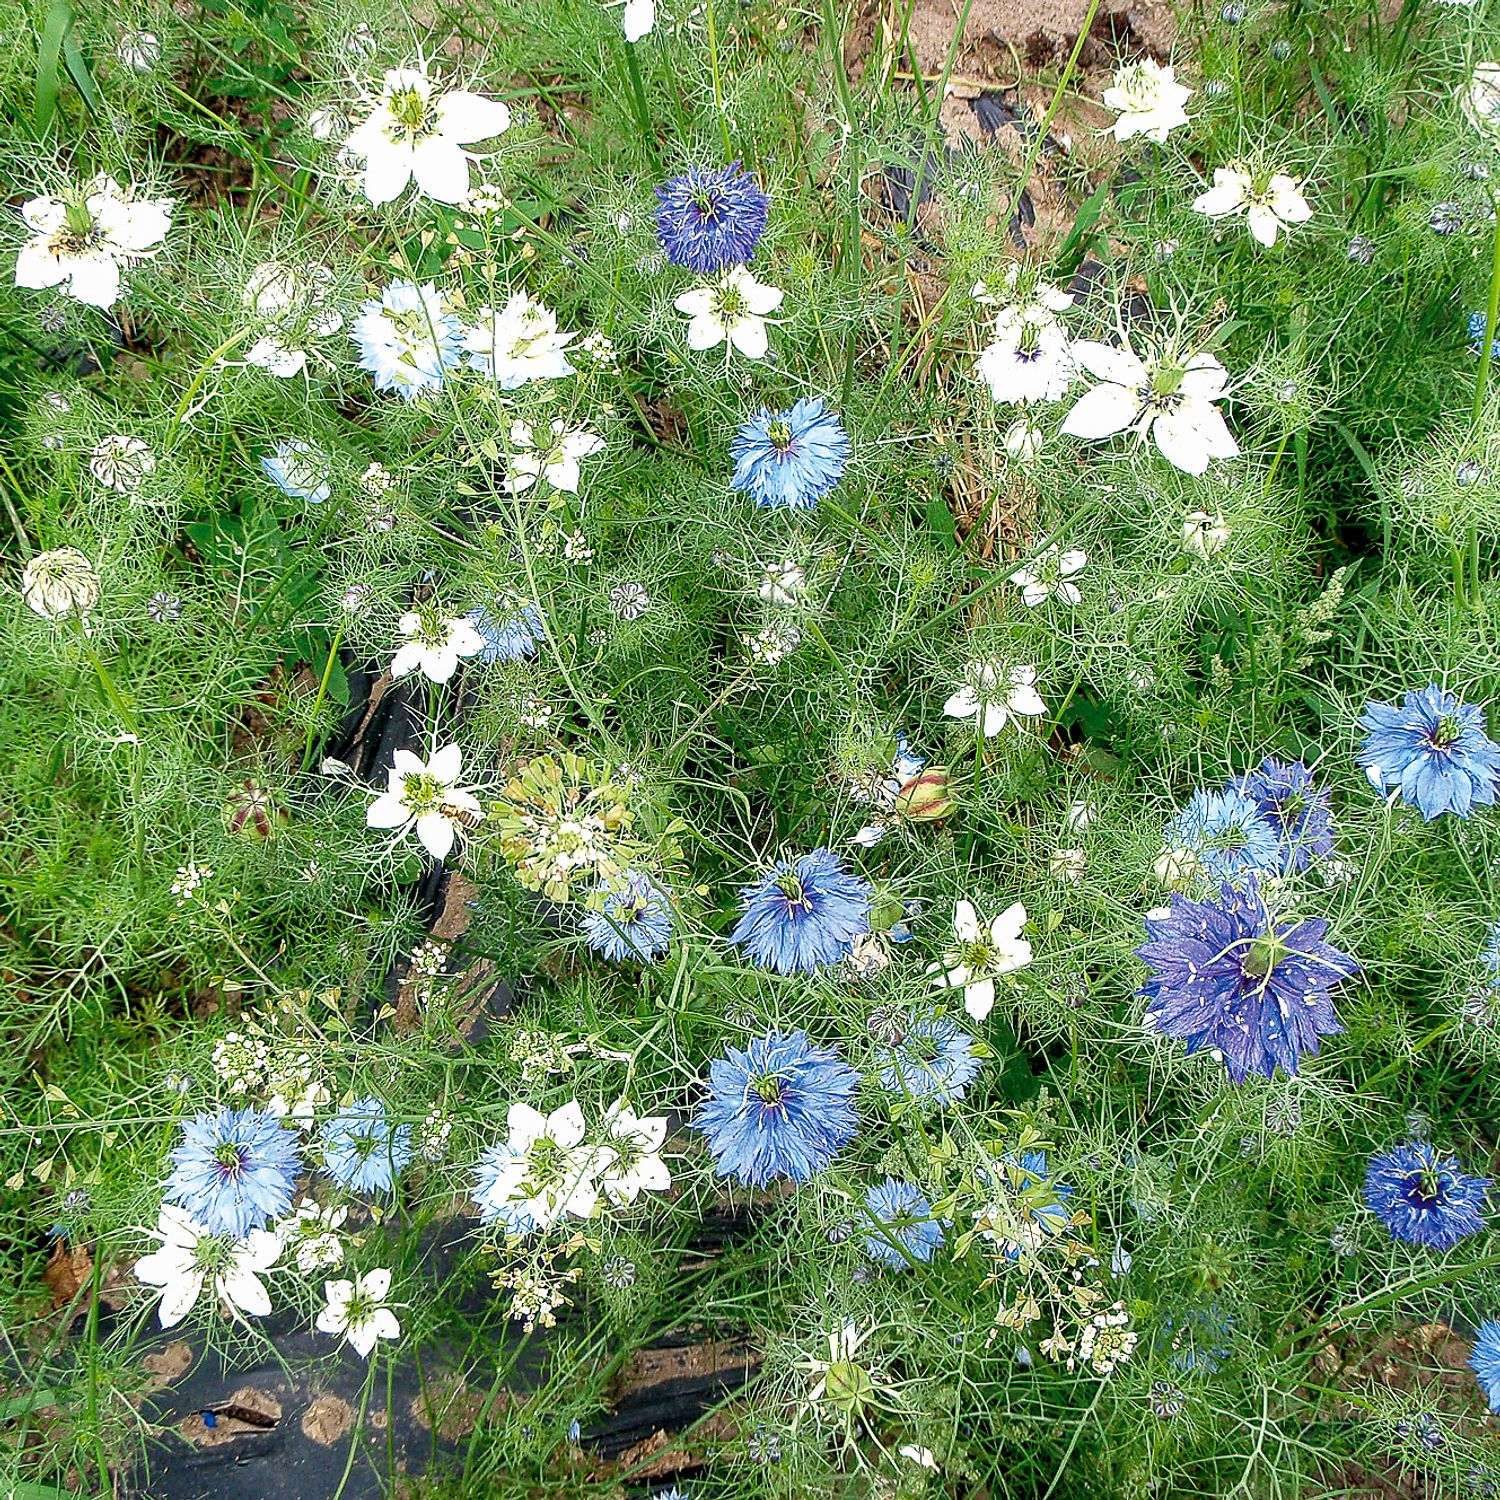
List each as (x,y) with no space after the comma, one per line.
(1203,533)
(60,583)
(1480,101)
(925,797)
(251,811)
(1177,868)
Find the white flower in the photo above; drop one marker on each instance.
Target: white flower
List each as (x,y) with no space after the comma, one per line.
(1176,869)
(357,1310)
(434,645)
(557,462)
(1204,533)
(1048,574)
(324,124)
(121,463)
(414,131)
(1480,101)
(313,1233)
(543,1171)
(139,50)
(978,959)
(983,698)
(190,1255)
(636,1147)
(296,303)
(922,1457)
(60,583)
(275,358)
(83,242)
(1028,358)
(733,307)
(1068,865)
(518,343)
(1170,398)
(1148,100)
(640,17)
(1268,204)
(781,583)
(1079,815)
(1041,294)
(425,796)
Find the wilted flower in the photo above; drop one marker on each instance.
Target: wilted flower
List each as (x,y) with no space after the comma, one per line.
(140,51)
(60,583)
(1204,533)
(299,470)
(629,600)
(121,463)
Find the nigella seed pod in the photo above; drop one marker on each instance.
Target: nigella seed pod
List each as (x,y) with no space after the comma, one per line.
(251,811)
(926,797)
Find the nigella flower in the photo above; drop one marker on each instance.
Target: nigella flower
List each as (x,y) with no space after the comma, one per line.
(1287,798)
(362,1150)
(1423,1198)
(805,912)
(1478,325)
(709,219)
(905,1230)
(790,458)
(634,922)
(1434,749)
(234,1170)
(510,631)
(1485,1361)
(780,1107)
(298,469)
(1027,1208)
(1227,834)
(932,1064)
(408,340)
(1225,975)
(1198,1340)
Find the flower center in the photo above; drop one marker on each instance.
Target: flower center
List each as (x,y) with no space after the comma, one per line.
(422,793)
(360,1308)
(1265,953)
(766,1087)
(231,1158)
(705,203)
(1424,1188)
(411,114)
(780,434)
(1447,732)
(1230,840)
(212,1254)
(790,886)
(976,955)
(545,1161)
(729,305)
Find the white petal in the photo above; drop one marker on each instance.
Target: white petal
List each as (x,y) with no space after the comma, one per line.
(696,301)
(979,999)
(704,333)
(436,835)
(387,811)
(387,173)
(565,1125)
(1007,926)
(179,1299)
(96,280)
(993,719)
(640,17)
(405,763)
(525,1125)
(446,764)
(761,299)
(37,269)
(1181,442)
(407,659)
(965,922)
(964,704)
(1263,224)
(749,336)
(376,1284)
(384,1323)
(245,1290)
(362,1337)
(1108,362)
(1102,412)
(331,1319)
(466,117)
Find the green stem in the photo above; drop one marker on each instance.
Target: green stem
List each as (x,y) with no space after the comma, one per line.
(232,342)
(312,728)
(111,692)
(713,63)
(638,99)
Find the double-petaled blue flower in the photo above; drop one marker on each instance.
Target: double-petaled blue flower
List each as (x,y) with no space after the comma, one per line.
(780,1107)
(805,912)
(709,219)
(362,1150)
(407,339)
(933,1063)
(790,458)
(1285,795)
(298,469)
(1434,749)
(1227,833)
(1478,322)
(1423,1198)
(1485,1361)
(635,921)
(1225,976)
(905,1230)
(235,1170)
(510,631)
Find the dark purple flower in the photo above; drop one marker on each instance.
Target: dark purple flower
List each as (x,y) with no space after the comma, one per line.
(1287,798)
(1225,976)
(710,219)
(1423,1198)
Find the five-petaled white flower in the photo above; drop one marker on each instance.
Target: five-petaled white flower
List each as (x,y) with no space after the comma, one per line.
(415,130)
(313,1234)
(82,242)
(991,701)
(434,645)
(1148,100)
(357,1310)
(553,457)
(190,1255)
(979,958)
(636,1143)
(518,343)
(1028,359)
(1048,574)
(1269,203)
(425,796)
(733,307)
(543,1170)
(1166,396)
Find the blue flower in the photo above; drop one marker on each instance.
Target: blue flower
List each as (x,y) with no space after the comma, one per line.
(636,921)
(1227,833)
(1225,976)
(1477,324)
(234,1170)
(1485,1361)
(298,469)
(709,219)
(932,1064)
(1287,798)
(510,631)
(1197,1340)
(1423,1198)
(906,1229)
(805,912)
(407,340)
(1029,1208)
(1434,749)
(780,1107)
(362,1150)
(790,458)
(1490,957)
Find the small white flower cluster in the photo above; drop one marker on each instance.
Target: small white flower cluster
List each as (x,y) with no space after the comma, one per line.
(241,1061)
(188,880)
